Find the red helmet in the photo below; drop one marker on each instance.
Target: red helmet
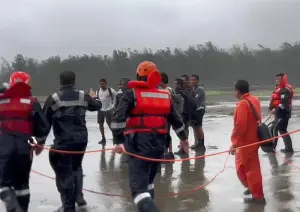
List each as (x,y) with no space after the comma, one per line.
(19,76)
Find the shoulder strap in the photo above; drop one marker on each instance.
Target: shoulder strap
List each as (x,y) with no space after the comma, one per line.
(110,93)
(253,110)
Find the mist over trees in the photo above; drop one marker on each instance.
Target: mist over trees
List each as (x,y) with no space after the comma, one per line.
(216,67)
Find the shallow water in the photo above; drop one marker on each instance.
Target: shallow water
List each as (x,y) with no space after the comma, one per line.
(105,173)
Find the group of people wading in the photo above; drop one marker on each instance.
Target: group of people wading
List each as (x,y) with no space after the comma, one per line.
(139,115)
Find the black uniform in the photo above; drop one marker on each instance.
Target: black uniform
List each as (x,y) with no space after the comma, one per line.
(282,117)
(66,110)
(142,173)
(16,161)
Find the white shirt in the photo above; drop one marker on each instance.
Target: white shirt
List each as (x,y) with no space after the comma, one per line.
(106,100)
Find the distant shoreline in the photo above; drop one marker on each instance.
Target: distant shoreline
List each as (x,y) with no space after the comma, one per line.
(215,97)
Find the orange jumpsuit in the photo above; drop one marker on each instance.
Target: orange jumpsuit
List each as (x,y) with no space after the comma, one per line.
(244,133)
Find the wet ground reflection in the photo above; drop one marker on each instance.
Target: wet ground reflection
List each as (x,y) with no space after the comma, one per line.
(107,173)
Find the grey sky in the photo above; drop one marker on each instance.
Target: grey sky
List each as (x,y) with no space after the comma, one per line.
(43,28)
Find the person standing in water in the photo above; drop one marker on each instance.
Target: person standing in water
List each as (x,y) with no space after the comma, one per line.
(107,96)
(245,133)
(65,111)
(281,107)
(197,116)
(143,115)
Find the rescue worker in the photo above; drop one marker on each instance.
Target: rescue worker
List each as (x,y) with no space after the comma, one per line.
(244,131)
(21,118)
(66,111)
(198,113)
(281,107)
(143,115)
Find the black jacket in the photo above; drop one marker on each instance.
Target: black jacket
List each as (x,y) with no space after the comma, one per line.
(284,108)
(118,124)
(119,97)
(65,111)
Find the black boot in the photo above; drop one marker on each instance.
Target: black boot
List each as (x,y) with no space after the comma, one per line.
(288,144)
(255,201)
(78,188)
(10,201)
(24,202)
(67,205)
(247,192)
(147,205)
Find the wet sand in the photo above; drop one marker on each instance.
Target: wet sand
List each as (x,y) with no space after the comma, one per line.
(105,173)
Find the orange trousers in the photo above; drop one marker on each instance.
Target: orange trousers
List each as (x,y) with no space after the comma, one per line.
(248,171)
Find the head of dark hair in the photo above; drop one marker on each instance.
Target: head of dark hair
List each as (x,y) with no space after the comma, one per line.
(242,86)
(164,77)
(279,75)
(179,81)
(67,78)
(103,80)
(195,76)
(125,80)
(185,76)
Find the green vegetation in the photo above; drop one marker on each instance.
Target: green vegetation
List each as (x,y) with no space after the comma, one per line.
(216,67)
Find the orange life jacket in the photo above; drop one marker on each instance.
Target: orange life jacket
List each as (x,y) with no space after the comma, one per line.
(16,106)
(276,98)
(152,107)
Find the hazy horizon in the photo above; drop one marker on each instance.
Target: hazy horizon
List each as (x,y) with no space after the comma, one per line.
(43,28)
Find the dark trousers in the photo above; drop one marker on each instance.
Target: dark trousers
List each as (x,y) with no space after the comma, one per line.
(142,173)
(280,125)
(15,166)
(68,171)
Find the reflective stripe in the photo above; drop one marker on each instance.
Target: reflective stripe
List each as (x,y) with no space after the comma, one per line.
(154,95)
(201,107)
(25,101)
(115,125)
(281,106)
(4,101)
(4,189)
(151,186)
(180,129)
(59,103)
(22,192)
(140,197)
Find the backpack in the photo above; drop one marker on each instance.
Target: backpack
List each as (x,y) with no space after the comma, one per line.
(263,131)
(109,91)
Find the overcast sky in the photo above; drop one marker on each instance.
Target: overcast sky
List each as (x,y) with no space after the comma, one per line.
(42,28)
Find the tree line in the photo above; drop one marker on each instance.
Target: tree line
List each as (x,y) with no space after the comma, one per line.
(216,67)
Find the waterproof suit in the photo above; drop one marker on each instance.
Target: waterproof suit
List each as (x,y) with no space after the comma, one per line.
(21,118)
(281,101)
(143,115)
(244,133)
(65,111)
